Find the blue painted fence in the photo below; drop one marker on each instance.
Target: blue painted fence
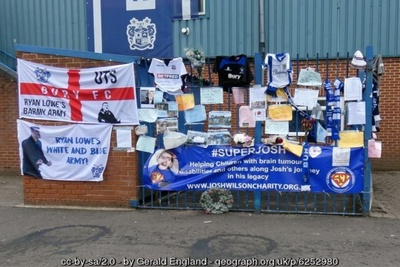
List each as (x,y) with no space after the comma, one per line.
(271,201)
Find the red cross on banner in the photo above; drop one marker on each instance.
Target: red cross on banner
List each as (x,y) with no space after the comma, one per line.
(77,95)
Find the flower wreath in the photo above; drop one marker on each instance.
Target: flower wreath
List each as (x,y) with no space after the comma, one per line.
(216,200)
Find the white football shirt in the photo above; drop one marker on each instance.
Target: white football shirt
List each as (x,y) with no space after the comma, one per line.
(168,76)
(279,69)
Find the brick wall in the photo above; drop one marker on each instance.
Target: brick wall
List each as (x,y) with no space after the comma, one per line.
(9,157)
(121,176)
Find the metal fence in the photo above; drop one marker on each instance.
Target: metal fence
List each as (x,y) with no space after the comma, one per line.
(270,201)
(264,201)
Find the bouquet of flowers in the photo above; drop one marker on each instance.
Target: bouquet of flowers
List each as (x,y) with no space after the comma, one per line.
(195,56)
(197,60)
(243,139)
(307,124)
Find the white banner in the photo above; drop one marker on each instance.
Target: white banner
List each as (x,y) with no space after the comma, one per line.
(93,95)
(75,152)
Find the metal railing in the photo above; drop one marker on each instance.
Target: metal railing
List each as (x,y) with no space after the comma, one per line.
(8,64)
(270,201)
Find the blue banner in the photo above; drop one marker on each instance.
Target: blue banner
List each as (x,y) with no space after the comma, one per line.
(338,172)
(262,167)
(140,28)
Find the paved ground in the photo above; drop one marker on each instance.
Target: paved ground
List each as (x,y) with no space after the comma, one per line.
(386,193)
(49,237)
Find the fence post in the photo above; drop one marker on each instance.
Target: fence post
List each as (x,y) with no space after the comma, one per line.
(258,128)
(367,194)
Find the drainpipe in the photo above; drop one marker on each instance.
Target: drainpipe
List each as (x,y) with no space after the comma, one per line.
(262,28)
(338,26)
(259,78)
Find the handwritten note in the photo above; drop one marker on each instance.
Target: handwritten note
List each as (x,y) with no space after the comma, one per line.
(185,101)
(276,127)
(352,89)
(306,97)
(280,112)
(351,139)
(356,113)
(238,94)
(147,115)
(196,114)
(212,95)
(246,118)
(146,144)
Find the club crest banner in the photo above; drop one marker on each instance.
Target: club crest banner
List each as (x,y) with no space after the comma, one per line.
(77,152)
(92,95)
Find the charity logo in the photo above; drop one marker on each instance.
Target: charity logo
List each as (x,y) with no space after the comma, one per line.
(340,179)
(141,34)
(156,177)
(42,75)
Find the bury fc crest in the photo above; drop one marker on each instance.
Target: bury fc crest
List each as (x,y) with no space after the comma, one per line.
(97,170)
(141,34)
(42,75)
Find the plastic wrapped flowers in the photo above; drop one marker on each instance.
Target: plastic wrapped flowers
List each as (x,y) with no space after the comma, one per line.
(197,60)
(243,139)
(195,56)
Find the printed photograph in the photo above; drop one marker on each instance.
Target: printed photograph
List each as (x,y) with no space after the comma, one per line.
(219,119)
(219,137)
(166,123)
(147,97)
(197,138)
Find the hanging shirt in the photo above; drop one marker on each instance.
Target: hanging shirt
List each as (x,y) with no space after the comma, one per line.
(168,76)
(378,69)
(233,71)
(280,71)
(377,72)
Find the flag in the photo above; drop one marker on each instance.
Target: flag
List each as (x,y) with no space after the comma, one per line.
(76,152)
(92,95)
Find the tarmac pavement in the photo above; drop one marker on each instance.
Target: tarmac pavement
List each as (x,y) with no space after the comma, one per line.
(385,203)
(67,236)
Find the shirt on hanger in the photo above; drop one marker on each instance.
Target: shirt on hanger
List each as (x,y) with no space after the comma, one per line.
(168,76)
(233,71)
(280,71)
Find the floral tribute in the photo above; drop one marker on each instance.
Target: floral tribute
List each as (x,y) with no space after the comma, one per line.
(197,60)
(216,200)
(307,124)
(195,56)
(243,139)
